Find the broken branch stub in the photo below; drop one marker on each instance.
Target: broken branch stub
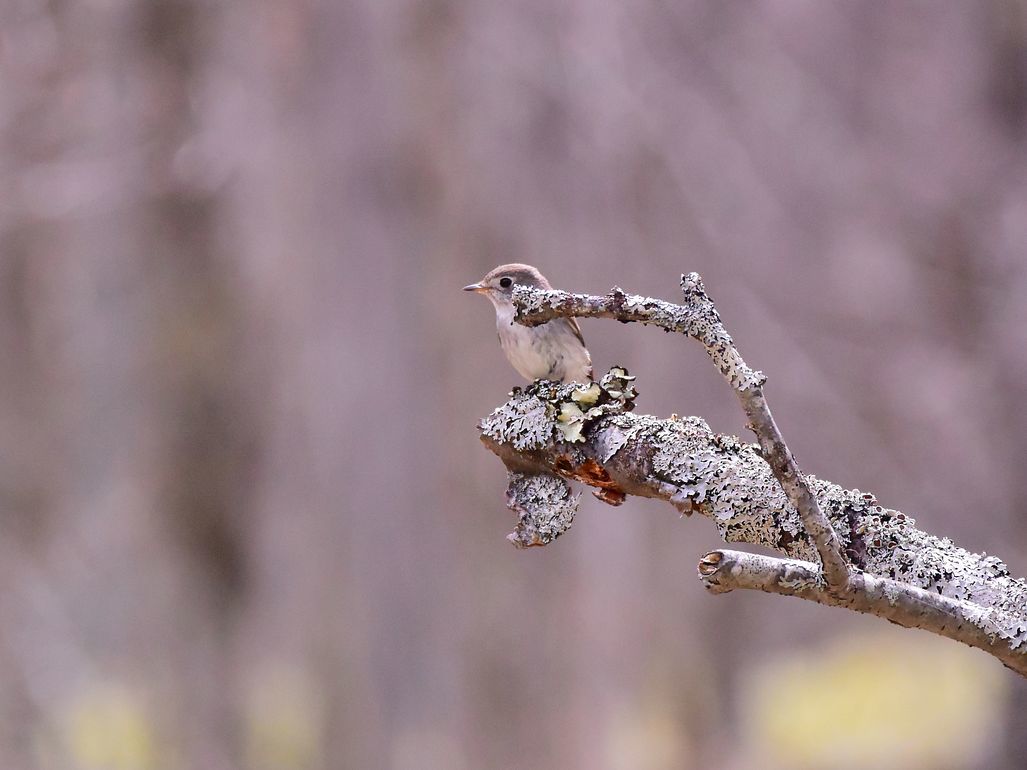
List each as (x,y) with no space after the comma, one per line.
(544,506)
(547,412)
(680,460)
(899,602)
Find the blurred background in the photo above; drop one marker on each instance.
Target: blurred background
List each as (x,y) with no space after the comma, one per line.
(245,519)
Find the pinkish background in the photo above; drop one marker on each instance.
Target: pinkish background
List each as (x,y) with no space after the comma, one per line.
(245,520)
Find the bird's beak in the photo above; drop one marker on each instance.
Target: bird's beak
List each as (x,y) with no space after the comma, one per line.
(476,287)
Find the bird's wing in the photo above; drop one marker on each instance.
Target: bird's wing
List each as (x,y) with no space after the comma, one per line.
(576,329)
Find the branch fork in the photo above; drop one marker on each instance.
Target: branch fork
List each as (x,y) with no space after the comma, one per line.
(841,547)
(698,318)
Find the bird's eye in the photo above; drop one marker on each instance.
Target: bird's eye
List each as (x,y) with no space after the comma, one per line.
(505,282)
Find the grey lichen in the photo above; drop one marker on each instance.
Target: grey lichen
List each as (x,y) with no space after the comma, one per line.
(706,327)
(683,461)
(725,479)
(896,548)
(697,318)
(547,411)
(544,506)
(846,549)
(800,582)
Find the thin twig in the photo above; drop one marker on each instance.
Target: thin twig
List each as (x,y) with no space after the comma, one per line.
(698,318)
(754,493)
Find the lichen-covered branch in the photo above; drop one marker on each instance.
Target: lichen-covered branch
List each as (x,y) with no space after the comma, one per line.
(874,559)
(589,434)
(698,318)
(722,571)
(544,506)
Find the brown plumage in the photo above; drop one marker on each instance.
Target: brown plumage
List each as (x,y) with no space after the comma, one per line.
(554,350)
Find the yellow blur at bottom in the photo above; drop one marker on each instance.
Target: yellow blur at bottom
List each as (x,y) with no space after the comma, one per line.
(102,726)
(895,701)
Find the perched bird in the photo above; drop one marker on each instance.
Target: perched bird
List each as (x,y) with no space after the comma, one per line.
(554,350)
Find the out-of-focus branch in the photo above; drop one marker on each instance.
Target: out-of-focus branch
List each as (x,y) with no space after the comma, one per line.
(698,318)
(906,605)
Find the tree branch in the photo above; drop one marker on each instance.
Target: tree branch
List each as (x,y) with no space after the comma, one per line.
(903,604)
(698,318)
(681,461)
(549,433)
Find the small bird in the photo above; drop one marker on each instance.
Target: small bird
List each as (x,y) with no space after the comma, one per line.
(554,350)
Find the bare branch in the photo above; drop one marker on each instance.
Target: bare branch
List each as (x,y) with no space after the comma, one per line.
(698,318)
(722,571)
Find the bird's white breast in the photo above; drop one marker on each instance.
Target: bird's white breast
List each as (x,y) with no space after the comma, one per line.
(516,340)
(548,351)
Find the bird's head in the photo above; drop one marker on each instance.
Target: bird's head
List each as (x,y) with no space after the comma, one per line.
(499,284)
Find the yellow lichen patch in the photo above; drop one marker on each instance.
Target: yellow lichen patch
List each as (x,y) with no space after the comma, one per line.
(570,421)
(587,395)
(570,413)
